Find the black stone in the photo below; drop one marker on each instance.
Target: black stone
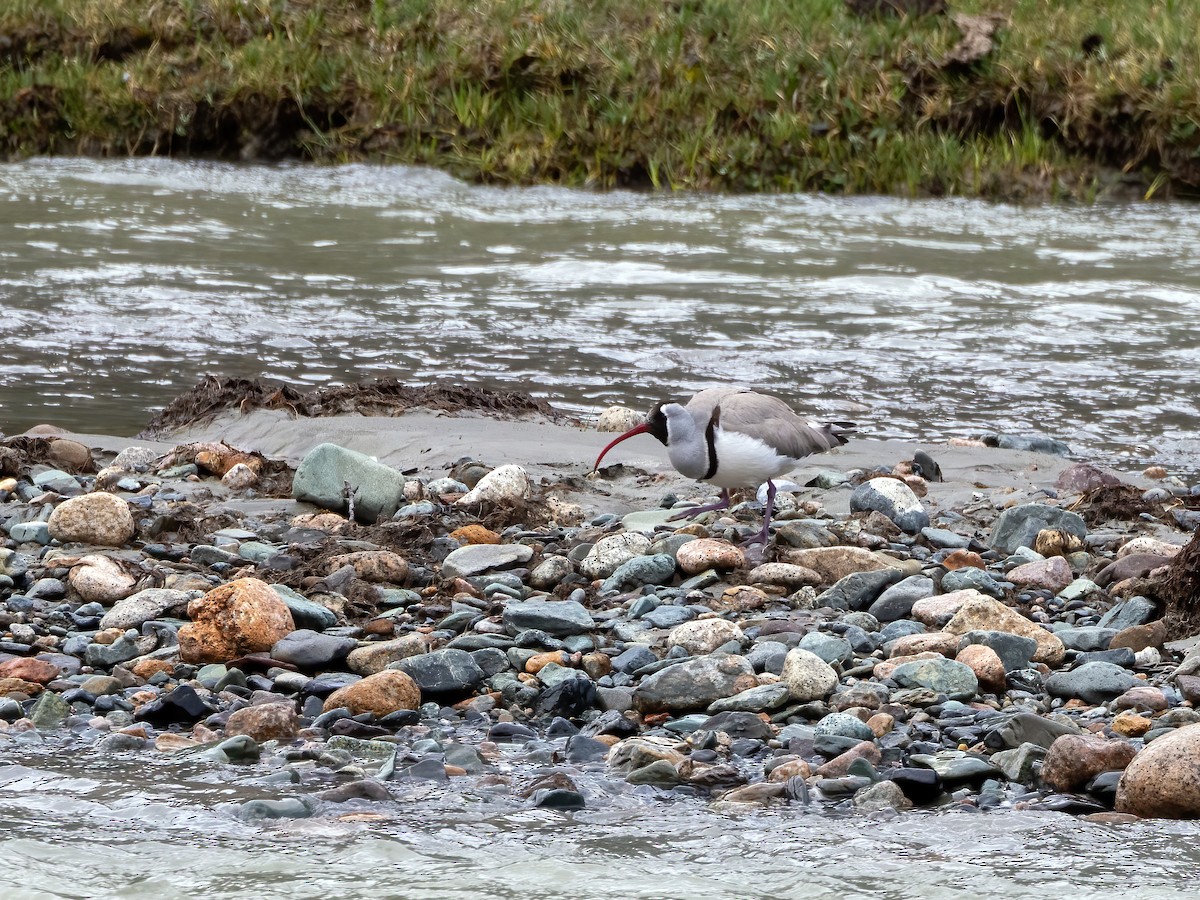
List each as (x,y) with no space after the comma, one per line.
(921,786)
(558,798)
(180,707)
(585,749)
(570,698)
(511,732)
(351,728)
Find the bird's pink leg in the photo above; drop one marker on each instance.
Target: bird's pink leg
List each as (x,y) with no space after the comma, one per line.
(765,535)
(693,511)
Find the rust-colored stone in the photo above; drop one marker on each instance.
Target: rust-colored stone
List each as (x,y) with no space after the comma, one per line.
(242,617)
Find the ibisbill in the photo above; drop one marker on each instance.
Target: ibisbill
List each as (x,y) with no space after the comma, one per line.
(735,438)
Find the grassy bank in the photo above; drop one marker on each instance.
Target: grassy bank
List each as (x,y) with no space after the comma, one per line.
(1063,99)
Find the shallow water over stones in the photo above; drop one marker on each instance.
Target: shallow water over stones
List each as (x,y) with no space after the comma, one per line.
(122,282)
(175,836)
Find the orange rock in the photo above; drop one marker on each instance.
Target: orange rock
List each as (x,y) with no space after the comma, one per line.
(475,534)
(30,669)
(265,722)
(241,617)
(380,626)
(964,559)
(536,663)
(169,742)
(881,724)
(382,693)
(742,598)
(146,669)
(986,665)
(597,665)
(888,666)
(219,458)
(11,686)
(1139,637)
(793,768)
(1130,724)
(454,771)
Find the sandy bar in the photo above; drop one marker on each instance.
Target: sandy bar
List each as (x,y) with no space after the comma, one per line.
(430,442)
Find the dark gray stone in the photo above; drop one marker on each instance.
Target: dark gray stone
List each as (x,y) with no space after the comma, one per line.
(1094,682)
(897,601)
(1127,613)
(446,671)
(310,650)
(859,590)
(633,573)
(970,577)
(557,617)
(1019,526)
(1086,639)
(894,499)
(1014,650)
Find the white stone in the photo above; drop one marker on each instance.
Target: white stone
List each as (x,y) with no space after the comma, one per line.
(144,606)
(1147,544)
(808,676)
(100,579)
(239,477)
(619,418)
(504,484)
(611,551)
(704,635)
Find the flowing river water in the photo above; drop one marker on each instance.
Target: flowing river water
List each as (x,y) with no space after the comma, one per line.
(121,283)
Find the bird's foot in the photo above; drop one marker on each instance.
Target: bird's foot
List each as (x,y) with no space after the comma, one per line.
(692,511)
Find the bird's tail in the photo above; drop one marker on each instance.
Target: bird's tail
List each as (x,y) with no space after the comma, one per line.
(840,431)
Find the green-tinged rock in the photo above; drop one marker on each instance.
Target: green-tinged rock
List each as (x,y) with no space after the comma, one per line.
(660,773)
(49,711)
(327,469)
(239,748)
(1020,764)
(288,808)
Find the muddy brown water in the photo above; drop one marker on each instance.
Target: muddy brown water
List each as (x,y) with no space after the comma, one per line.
(123,282)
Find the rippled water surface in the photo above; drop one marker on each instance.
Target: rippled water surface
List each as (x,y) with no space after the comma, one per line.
(86,827)
(123,282)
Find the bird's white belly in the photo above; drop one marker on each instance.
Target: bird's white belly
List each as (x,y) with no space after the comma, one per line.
(745,461)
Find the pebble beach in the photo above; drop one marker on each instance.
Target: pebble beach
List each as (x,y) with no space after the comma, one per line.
(349,606)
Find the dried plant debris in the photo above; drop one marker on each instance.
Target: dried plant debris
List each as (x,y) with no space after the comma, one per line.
(18,454)
(382,397)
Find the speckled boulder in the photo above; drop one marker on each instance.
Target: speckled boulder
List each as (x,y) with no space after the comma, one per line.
(265,722)
(99,579)
(709,553)
(808,676)
(97,518)
(505,484)
(985,614)
(243,616)
(1075,759)
(610,552)
(704,635)
(1164,778)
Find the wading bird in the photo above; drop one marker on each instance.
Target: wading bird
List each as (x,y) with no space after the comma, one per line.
(735,438)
